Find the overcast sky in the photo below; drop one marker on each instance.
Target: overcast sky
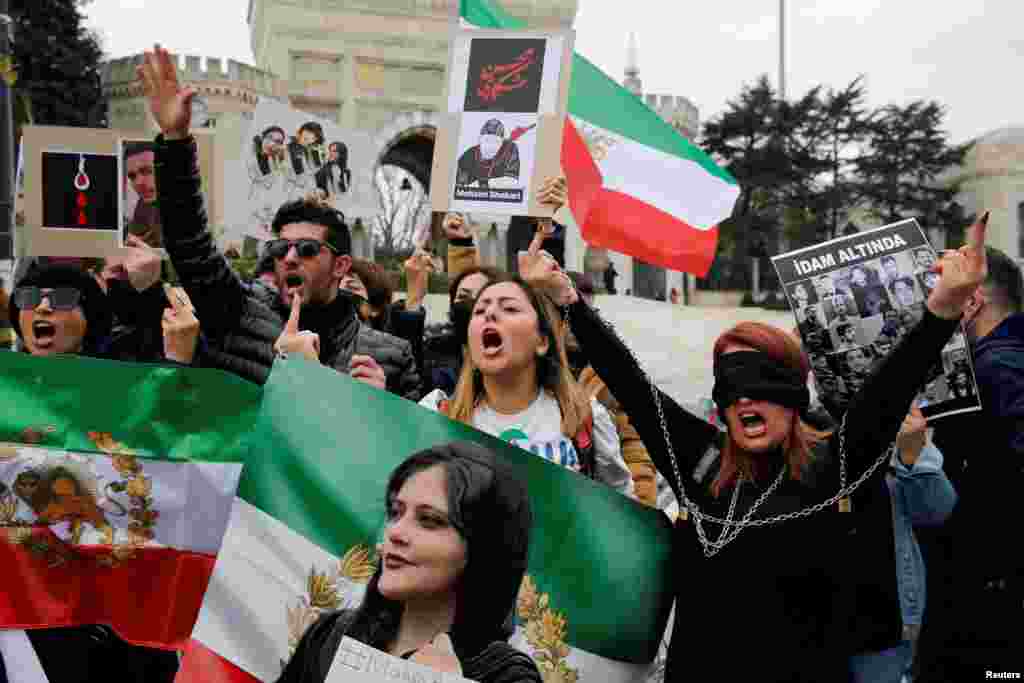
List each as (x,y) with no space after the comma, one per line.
(968,55)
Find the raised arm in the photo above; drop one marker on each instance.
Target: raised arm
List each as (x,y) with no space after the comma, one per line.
(212,285)
(876,412)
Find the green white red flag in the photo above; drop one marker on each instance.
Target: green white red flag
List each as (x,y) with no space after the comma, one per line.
(636,185)
(316,449)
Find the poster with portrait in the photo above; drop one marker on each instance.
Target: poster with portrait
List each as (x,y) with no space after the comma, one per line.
(139,203)
(856,297)
(289,154)
(501,136)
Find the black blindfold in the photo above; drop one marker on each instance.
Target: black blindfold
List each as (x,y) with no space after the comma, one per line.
(757,376)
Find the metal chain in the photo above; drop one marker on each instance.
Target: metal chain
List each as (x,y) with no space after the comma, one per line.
(735,526)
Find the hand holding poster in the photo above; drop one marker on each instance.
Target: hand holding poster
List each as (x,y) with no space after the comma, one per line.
(507,95)
(855,298)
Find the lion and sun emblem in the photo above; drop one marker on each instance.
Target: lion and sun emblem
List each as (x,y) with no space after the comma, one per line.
(52,502)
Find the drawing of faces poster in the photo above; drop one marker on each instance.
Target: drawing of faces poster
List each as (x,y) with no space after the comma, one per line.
(856,297)
(500,87)
(288,154)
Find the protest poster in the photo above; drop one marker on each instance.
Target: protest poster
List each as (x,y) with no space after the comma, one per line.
(856,297)
(84,188)
(501,136)
(72,203)
(356,662)
(141,213)
(288,154)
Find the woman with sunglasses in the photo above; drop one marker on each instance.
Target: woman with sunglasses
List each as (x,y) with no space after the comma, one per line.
(59,309)
(775,602)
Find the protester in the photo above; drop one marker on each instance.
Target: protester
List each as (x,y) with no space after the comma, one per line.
(58,309)
(443,343)
(453,556)
(634,453)
(312,254)
(372,292)
(976,564)
(921,496)
(609,278)
(774,604)
(516,385)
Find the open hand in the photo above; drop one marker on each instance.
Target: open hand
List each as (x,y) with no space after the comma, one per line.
(961,271)
(439,655)
(304,343)
(368,371)
(169,102)
(542,272)
(181,329)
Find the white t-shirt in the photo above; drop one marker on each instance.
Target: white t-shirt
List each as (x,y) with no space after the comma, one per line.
(538,429)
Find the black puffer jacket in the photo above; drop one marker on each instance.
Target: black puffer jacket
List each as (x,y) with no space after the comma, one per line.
(242,321)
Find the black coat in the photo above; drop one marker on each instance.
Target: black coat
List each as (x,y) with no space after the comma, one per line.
(499,662)
(242,321)
(791,602)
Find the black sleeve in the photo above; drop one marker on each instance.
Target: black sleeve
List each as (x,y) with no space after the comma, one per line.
(876,412)
(312,661)
(212,285)
(631,387)
(410,325)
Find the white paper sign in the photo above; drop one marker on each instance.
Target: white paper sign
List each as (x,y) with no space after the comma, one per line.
(360,663)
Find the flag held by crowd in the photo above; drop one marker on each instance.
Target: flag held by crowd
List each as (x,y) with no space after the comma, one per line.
(636,185)
(93,530)
(317,449)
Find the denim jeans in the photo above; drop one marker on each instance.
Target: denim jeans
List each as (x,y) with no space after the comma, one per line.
(887,666)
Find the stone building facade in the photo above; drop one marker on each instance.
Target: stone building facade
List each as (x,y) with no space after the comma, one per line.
(376,66)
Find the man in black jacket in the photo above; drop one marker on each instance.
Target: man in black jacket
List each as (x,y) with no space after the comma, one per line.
(976,565)
(311,252)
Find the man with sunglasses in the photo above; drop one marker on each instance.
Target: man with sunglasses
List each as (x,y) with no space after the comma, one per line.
(311,252)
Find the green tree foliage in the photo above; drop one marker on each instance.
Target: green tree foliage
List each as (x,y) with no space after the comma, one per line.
(807,166)
(57,60)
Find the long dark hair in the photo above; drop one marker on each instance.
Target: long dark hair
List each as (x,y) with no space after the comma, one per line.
(257,143)
(488,506)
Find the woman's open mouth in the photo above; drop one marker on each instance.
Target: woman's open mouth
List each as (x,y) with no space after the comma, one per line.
(491,341)
(753,424)
(44,332)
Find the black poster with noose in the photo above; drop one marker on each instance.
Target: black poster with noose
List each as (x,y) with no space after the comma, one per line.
(80,191)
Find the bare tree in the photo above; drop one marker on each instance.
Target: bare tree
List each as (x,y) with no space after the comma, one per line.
(406,209)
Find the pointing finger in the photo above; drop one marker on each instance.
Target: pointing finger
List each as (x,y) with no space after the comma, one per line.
(292,326)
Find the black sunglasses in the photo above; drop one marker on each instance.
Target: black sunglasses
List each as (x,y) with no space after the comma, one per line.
(305,248)
(60,298)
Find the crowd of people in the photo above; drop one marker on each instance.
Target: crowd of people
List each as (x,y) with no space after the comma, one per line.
(811,543)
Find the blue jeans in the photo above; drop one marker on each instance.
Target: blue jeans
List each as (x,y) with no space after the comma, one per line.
(887,666)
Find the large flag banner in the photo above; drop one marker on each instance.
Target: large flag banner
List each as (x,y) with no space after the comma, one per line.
(311,506)
(94,530)
(644,189)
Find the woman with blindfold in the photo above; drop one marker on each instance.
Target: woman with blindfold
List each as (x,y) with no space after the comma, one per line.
(769,543)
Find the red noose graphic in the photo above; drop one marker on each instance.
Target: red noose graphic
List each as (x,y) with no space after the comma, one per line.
(82,184)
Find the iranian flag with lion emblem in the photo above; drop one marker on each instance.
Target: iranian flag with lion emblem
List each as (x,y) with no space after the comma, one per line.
(317,449)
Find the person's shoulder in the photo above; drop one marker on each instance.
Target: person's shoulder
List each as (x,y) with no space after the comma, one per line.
(500,662)
(381,340)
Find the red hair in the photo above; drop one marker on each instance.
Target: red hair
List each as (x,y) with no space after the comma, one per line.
(784,348)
